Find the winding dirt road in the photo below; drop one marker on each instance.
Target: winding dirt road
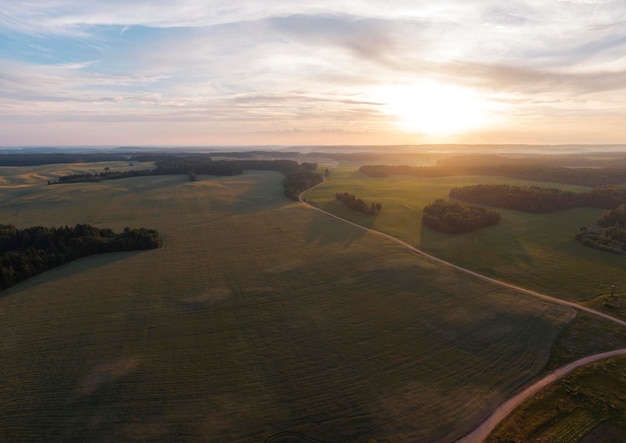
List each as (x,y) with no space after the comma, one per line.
(475,274)
(482,432)
(484,429)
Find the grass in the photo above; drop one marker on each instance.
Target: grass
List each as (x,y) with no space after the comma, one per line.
(587,406)
(585,335)
(258,316)
(11,176)
(534,251)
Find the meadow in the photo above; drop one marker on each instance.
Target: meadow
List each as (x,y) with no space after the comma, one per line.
(259,319)
(535,251)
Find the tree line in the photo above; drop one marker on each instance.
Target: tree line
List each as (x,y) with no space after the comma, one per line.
(610,233)
(454,218)
(30,251)
(197,164)
(387,170)
(592,177)
(36,159)
(99,176)
(356,204)
(298,177)
(535,199)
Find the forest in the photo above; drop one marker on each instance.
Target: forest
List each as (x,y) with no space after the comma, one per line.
(356,204)
(610,233)
(535,199)
(30,251)
(454,218)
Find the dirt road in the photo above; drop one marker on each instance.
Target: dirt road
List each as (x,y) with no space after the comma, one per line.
(482,431)
(476,274)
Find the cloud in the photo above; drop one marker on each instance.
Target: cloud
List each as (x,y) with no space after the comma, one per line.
(533,81)
(265,67)
(80,65)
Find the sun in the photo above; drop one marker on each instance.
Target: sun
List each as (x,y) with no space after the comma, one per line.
(434,109)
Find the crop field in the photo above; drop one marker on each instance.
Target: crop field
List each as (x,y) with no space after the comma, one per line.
(534,251)
(259,319)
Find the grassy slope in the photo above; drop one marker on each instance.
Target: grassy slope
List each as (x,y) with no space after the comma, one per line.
(257,316)
(534,251)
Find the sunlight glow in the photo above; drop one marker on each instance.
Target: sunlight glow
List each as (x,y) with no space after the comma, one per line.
(434,108)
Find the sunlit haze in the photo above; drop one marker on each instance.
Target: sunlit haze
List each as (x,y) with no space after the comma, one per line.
(238,72)
(437,110)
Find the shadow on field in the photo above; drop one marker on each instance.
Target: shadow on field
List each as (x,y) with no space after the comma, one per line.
(325,230)
(69,269)
(252,191)
(487,247)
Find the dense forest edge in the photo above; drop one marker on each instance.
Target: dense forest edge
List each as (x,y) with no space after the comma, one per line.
(27,252)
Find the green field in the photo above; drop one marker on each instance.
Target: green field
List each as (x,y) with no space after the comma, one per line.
(257,316)
(534,251)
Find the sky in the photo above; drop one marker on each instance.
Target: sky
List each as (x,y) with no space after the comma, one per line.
(284,72)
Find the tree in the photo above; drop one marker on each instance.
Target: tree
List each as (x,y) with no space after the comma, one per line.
(455,218)
(357,204)
(30,251)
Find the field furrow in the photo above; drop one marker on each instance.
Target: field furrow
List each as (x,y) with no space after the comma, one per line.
(257,316)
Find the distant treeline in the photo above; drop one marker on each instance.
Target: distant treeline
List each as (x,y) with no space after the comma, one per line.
(99,176)
(48,159)
(197,165)
(30,251)
(592,177)
(202,164)
(611,234)
(357,204)
(298,177)
(537,199)
(454,218)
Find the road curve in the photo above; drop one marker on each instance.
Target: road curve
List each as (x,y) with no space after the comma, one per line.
(473,273)
(482,432)
(484,429)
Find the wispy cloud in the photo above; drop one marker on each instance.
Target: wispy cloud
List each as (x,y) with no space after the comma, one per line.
(246,67)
